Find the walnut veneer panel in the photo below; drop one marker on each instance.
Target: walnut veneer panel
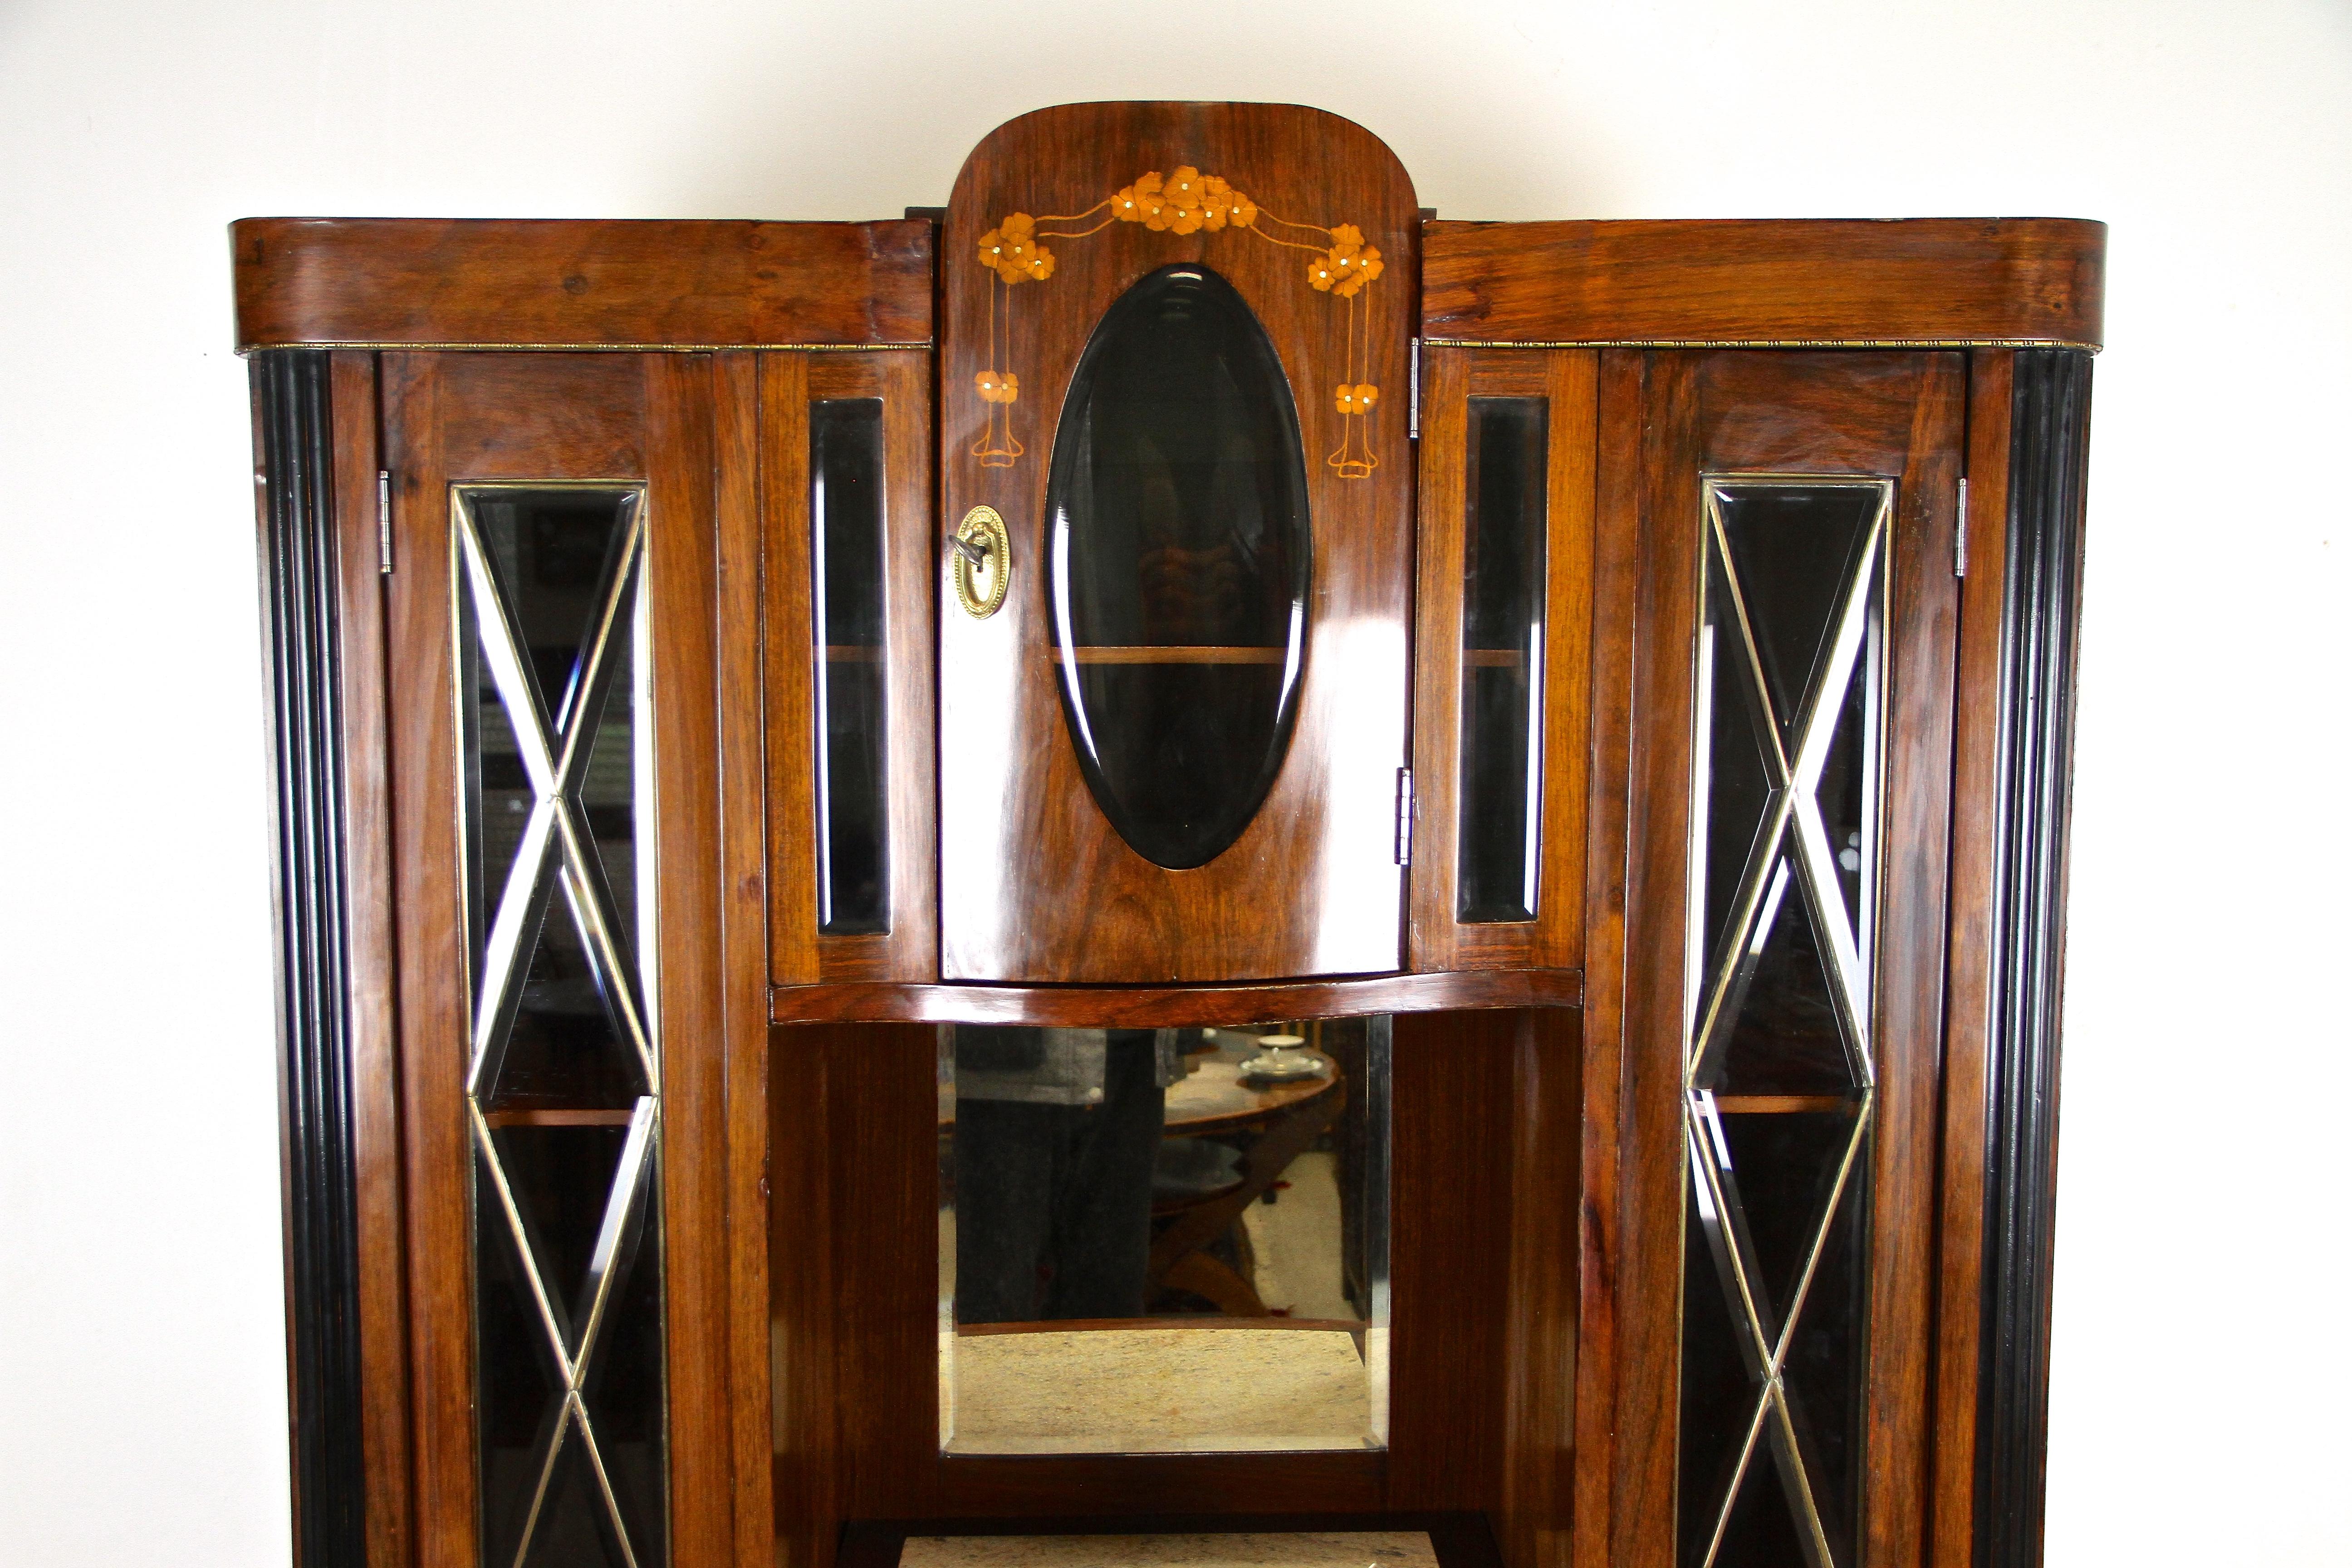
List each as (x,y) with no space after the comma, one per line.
(513,283)
(1925,281)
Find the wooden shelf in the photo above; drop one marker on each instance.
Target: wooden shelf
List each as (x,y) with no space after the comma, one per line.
(847,653)
(1783,1104)
(1495,657)
(1151,1006)
(1190,654)
(528,1116)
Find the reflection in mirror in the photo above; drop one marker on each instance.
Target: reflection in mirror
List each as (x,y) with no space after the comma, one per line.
(1163,1240)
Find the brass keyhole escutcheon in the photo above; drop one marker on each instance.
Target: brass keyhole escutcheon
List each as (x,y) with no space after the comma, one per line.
(979,562)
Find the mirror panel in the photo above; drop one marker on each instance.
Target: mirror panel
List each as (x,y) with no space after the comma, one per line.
(1163,1240)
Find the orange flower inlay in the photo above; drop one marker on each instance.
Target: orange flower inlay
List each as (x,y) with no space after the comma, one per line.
(1010,250)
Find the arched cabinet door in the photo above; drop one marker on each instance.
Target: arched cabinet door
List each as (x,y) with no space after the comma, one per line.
(1177,500)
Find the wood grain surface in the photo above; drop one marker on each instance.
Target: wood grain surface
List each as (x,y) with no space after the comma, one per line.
(515,283)
(1900,414)
(383,1305)
(452,418)
(1926,281)
(1035,884)
(790,384)
(1146,1006)
(1975,788)
(1564,379)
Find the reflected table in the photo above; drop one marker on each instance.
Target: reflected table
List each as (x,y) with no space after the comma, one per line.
(1287,1118)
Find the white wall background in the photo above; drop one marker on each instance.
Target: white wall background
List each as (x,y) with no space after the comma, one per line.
(2201,1379)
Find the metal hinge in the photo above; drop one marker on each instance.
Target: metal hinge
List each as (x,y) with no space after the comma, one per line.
(1413,396)
(1404,817)
(1961,534)
(383,522)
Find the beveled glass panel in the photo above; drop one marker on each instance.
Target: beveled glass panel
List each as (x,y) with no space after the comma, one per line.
(562,1075)
(1737,765)
(574,1529)
(566,1046)
(1164,1241)
(625,1385)
(1784,1036)
(1503,553)
(559,1175)
(517,1389)
(1847,792)
(1785,1164)
(1762,1531)
(1719,1390)
(1781,1077)
(608,786)
(846,507)
(1179,560)
(1823,1366)
(1794,548)
(555,553)
(498,787)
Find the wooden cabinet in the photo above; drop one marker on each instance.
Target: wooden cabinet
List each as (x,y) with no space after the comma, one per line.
(766,712)
(1039,883)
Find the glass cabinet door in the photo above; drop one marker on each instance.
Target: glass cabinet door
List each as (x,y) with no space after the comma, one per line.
(1173,733)
(847,604)
(1797,524)
(548,514)
(1502,736)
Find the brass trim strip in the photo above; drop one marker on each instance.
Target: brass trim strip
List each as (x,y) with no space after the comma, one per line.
(1762,343)
(409,347)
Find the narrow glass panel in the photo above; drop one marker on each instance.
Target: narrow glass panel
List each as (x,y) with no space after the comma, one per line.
(498,785)
(563,1072)
(1504,553)
(1794,548)
(846,507)
(1180,562)
(1781,1080)
(1848,787)
(1164,1241)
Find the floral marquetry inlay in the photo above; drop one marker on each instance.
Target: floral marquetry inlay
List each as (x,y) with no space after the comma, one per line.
(1183,202)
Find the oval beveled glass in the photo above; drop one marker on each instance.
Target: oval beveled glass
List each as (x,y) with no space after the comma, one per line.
(1180,559)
